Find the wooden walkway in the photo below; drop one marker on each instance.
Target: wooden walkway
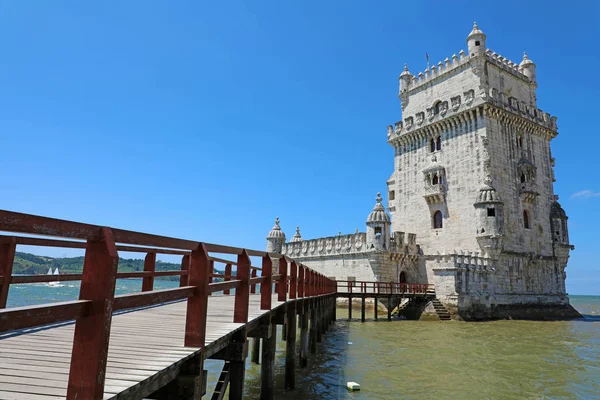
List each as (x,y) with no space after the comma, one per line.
(146,348)
(152,344)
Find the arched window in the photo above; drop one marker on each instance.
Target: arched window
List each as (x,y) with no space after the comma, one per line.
(437,220)
(523,177)
(520,142)
(432,145)
(438,143)
(435,179)
(436,108)
(526,219)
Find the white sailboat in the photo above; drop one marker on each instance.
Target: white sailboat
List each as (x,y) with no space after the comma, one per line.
(55,283)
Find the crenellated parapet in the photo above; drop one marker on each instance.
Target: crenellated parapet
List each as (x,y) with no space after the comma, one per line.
(412,83)
(334,245)
(506,65)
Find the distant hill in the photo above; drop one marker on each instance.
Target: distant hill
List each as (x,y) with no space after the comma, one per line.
(30,264)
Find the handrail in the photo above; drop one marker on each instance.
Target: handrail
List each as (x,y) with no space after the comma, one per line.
(292,280)
(379,287)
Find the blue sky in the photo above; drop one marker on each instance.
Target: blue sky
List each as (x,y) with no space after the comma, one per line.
(205,120)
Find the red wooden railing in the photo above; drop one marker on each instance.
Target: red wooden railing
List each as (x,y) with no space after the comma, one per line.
(364,287)
(97,301)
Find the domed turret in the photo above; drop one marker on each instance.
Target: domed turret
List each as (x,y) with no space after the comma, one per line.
(275,238)
(405,79)
(297,237)
(528,67)
(476,41)
(378,227)
(558,220)
(490,218)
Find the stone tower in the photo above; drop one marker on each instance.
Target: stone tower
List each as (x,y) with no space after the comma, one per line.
(378,227)
(473,178)
(275,238)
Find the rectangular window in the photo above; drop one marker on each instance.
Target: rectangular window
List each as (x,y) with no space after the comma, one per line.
(391,195)
(491,212)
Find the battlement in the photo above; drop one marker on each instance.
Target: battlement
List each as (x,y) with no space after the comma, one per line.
(435,72)
(333,245)
(506,64)
(449,65)
(346,244)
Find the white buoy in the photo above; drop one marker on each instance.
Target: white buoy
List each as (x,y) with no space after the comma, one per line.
(353,386)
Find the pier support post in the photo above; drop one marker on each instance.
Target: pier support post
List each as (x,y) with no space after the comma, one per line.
(389,309)
(267,369)
(255,357)
(319,319)
(290,348)
(363,309)
(190,383)
(323,323)
(313,328)
(375,309)
(304,339)
(237,367)
(284,330)
(334,308)
(350,307)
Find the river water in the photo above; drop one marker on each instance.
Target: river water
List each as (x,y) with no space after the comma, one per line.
(423,360)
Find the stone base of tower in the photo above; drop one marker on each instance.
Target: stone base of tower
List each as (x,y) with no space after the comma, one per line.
(528,307)
(512,286)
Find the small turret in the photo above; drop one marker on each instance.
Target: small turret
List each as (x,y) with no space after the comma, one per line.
(275,239)
(558,220)
(490,219)
(378,227)
(405,79)
(476,41)
(297,237)
(527,67)
(560,233)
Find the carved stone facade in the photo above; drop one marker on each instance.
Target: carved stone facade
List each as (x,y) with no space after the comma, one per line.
(473,180)
(501,249)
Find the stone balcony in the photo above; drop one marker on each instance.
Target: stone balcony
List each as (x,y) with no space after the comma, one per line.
(528,191)
(434,194)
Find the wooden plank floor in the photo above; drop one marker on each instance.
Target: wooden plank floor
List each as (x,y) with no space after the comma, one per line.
(144,346)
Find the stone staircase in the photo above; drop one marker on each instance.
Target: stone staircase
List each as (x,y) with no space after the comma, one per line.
(398,310)
(440,310)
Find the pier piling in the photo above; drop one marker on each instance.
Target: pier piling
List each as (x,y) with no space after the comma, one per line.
(290,349)
(267,369)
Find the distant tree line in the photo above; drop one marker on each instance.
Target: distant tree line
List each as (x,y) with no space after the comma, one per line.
(30,264)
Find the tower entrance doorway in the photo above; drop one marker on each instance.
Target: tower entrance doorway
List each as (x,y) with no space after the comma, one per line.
(402,277)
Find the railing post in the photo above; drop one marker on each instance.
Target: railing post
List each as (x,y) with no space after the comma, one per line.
(211,271)
(266,285)
(92,333)
(253,286)
(197,305)
(301,280)
(227,277)
(185,266)
(282,283)
(293,280)
(149,266)
(242,292)
(7,258)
